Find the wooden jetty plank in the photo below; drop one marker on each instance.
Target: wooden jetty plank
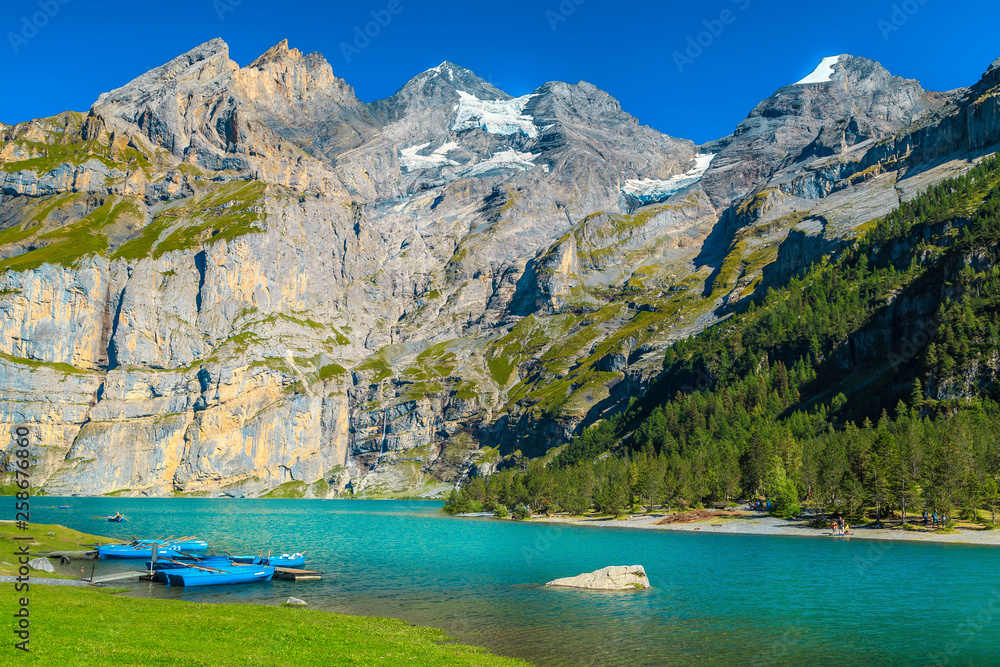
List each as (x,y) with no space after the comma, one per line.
(121,576)
(83,555)
(297,575)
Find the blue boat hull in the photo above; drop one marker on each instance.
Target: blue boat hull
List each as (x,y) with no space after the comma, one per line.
(144,549)
(229,575)
(275,561)
(106,553)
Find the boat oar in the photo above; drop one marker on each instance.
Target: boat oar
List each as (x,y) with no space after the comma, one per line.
(195,567)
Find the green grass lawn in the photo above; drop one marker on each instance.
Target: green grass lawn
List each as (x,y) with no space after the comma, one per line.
(83,626)
(65,539)
(89,626)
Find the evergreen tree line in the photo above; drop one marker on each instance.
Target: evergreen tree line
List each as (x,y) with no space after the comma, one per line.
(764,405)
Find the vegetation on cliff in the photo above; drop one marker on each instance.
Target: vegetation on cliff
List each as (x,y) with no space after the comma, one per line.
(869,382)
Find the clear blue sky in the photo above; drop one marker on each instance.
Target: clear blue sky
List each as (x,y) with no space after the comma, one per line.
(626,47)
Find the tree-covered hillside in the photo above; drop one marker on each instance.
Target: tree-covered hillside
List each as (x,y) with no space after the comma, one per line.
(868,382)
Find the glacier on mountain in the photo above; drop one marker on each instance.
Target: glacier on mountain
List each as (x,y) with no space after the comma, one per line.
(650,190)
(512,159)
(411,161)
(504,117)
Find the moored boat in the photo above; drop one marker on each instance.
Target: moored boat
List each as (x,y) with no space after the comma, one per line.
(133,551)
(231,574)
(284,560)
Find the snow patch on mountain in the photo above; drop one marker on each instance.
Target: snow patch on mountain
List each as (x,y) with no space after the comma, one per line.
(512,159)
(504,117)
(410,159)
(823,73)
(650,190)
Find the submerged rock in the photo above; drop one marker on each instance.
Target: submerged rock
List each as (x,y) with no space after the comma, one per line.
(614,578)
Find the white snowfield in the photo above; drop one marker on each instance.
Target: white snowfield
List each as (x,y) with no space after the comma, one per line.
(410,161)
(823,73)
(649,190)
(512,159)
(504,117)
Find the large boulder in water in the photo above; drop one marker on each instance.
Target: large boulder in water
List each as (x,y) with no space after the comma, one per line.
(614,578)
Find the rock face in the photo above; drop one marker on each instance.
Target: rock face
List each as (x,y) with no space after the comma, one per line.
(238,281)
(614,578)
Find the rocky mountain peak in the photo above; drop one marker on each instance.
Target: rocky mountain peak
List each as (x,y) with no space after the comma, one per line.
(845,101)
(992,75)
(437,87)
(279,51)
(184,73)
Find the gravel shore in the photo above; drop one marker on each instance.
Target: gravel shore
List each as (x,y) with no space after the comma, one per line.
(47,581)
(757,523)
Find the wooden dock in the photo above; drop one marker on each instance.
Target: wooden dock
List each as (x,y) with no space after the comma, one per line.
(296,575)
(121,576)
(75,555)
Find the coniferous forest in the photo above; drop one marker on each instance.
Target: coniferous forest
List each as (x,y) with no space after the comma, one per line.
(867,385)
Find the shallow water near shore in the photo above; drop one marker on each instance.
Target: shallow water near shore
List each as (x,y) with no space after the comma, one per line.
(716,599)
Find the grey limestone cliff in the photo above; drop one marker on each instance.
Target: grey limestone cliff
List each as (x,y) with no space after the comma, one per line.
(229,280)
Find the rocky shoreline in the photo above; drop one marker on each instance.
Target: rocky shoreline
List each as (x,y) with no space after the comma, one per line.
(758,523)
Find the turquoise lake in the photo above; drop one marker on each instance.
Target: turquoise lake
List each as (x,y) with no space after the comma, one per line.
(716,599)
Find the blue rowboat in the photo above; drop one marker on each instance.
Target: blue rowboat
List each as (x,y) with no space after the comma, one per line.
(284,560)
(64,507)
(122,551)
(161,575)
(185,545)
(232,574)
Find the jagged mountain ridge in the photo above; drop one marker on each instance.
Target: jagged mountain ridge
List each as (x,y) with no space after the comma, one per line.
(223,280)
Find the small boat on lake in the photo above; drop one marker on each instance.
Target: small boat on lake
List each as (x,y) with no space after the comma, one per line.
(284,560)
(205,576)
(183,544)
(133,551)
(144,548)
(64,507)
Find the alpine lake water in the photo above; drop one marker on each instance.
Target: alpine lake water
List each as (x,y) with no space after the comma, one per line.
(716,599)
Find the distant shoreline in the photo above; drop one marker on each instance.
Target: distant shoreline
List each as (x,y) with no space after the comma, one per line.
(759,523)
